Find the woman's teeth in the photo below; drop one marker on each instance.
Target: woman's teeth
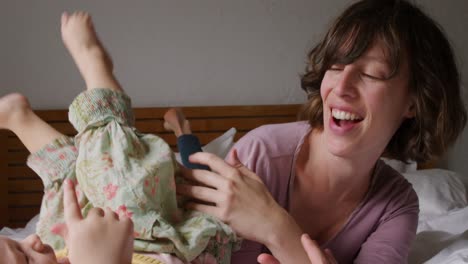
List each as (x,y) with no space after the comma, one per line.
(343,115)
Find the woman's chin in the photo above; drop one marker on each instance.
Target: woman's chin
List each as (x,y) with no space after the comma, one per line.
(341,148)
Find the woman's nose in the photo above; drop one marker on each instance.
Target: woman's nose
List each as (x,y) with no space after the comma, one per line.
(346,83)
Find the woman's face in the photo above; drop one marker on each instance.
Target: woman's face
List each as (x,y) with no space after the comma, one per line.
(30,250)
(363,107)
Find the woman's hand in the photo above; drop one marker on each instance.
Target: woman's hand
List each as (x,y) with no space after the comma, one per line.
(238,197)
(101,237)
(315,254)
(232,193)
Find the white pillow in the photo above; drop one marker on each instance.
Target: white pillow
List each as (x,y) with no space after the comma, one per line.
(400,166)
(219,146)
(222,144)
(439,191)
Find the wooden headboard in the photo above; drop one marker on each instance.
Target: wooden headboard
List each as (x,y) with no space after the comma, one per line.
(21,189)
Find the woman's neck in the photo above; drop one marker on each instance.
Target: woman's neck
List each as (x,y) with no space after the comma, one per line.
(340,178)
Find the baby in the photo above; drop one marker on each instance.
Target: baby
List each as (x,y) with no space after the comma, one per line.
(101,237)
(111,163)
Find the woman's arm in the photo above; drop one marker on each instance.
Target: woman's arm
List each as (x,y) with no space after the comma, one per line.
(315,254)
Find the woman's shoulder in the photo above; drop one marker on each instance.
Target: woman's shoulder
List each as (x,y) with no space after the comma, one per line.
(390,186)
(292,131)
(274,140)
(385,175)
(271,146)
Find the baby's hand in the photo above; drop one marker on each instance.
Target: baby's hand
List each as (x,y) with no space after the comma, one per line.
(102,237)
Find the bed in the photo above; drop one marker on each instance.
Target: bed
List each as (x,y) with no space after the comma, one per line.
(442,235)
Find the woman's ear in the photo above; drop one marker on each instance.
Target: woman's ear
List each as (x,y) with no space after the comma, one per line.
(411,108)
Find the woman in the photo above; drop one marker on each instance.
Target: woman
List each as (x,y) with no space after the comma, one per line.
(383,81)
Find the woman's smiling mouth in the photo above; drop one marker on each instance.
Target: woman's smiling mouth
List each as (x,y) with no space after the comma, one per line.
(343,121)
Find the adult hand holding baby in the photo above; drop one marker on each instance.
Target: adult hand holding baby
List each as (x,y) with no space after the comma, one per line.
(237,196)
(101,237)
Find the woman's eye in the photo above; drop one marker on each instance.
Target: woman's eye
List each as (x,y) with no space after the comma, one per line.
(373,77)
(335,68)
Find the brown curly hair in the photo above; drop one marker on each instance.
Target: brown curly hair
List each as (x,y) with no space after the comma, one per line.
(408,34)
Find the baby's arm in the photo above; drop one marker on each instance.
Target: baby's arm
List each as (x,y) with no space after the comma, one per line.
(102,237)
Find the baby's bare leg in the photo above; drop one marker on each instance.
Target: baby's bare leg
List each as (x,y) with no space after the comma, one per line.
(174,120)
(187,144)
(90,57)
(16,115)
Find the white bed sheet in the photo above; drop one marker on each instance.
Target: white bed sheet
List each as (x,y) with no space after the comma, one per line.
(21,233)
(442,239)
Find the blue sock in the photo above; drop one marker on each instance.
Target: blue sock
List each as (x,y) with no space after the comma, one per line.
(188,145)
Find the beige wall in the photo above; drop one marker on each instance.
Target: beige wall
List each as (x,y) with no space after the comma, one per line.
(174,52)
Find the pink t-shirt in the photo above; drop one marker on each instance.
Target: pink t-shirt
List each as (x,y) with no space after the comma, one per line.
(380,230)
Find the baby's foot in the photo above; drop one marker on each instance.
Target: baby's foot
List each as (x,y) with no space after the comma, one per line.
(82,42)
(78,32)
(12,107)
(174,120)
